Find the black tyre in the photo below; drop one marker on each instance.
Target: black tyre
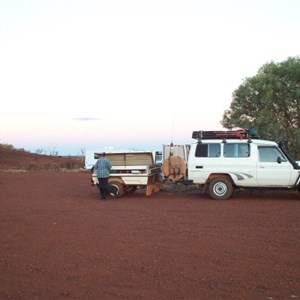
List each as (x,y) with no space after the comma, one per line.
(220,188)
(129,189)
(117,187)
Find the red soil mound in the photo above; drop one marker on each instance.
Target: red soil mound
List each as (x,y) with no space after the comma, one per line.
(16,159)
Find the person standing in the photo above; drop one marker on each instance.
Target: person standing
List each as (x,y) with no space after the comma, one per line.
(102,168)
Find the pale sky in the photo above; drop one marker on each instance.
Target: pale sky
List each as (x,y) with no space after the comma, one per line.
(87,74)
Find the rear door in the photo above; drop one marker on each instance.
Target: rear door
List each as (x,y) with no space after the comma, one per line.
(204,158)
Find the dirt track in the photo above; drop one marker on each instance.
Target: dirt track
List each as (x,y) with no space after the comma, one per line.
(59,241)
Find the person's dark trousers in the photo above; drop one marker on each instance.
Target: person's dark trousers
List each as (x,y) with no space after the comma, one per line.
(103,187)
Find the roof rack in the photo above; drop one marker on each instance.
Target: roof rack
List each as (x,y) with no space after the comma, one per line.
(230,134)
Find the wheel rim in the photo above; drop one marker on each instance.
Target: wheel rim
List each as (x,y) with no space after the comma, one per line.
(117,187)
(220,189)
(129,188)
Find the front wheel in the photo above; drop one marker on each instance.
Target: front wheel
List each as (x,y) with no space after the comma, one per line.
(220,188)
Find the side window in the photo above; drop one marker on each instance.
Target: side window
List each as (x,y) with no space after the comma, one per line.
(236,150)
(208,150)
(270,154)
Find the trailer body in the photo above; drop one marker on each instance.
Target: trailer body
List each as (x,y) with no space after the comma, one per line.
(132,170)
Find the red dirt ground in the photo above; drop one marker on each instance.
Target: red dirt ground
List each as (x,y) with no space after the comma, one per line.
(58,240)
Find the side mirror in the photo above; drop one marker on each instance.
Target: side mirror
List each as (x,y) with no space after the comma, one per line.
(279,159)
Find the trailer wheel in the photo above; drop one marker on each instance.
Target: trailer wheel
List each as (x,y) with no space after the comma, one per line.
(129,189)
(220,188)
(118,186)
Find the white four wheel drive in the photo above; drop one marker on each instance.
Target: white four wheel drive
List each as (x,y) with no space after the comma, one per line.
(222,161)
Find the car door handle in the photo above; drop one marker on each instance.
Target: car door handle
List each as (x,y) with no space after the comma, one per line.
(199,167)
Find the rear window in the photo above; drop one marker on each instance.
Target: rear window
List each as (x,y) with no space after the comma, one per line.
(236,150)
(208,150)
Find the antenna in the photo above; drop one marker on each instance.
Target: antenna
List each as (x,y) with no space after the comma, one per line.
(171,148)
(172,126)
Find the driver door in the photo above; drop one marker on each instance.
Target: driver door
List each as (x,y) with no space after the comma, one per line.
(273,169)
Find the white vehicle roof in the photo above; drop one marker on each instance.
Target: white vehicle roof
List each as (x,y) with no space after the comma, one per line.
(242,141)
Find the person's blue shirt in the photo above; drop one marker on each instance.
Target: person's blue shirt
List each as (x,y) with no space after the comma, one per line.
(103,167)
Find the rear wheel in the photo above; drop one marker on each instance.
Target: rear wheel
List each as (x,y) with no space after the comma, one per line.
(220,188)
(118,187)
